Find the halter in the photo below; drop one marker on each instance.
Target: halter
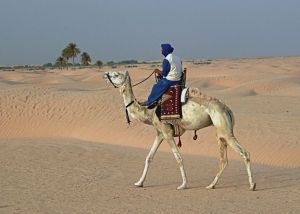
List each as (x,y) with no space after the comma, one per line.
(108,77)
(128,105)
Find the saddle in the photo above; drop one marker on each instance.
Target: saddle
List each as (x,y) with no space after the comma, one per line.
(169,109)
(170,105)
(170,102)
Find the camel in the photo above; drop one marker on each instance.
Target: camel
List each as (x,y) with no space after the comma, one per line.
(198,112)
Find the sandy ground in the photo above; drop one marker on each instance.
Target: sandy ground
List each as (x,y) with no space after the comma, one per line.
(69,176)
(65,146)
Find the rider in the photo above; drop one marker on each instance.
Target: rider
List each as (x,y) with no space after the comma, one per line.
(170,75)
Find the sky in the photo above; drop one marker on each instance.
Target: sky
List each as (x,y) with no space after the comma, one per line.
(36,31)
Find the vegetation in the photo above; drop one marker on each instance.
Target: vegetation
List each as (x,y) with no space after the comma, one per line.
(71,51)
(60,62)
(85,58)
(129,62)
(48,65)
(124,62)
(99,63)
(111,63)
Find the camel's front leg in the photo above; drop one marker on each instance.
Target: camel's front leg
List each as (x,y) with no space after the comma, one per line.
(179,160)
(149,158)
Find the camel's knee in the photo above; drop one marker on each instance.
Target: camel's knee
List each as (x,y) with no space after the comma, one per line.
(244,153)
(148,159)
(179,159)
(224,162)
(247,156)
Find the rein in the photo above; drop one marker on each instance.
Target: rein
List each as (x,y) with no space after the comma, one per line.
(126,111)
(143,80)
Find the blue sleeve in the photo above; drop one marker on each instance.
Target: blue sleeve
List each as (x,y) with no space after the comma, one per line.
(165,68)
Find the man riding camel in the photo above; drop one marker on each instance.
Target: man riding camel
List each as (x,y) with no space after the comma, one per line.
(170,75)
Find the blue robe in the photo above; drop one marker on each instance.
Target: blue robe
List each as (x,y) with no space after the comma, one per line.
(159,89)
(163,84)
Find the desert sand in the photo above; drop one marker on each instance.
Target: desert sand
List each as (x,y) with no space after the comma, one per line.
(65,146)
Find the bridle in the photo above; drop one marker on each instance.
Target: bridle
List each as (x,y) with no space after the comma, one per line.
(129,104)
(108,77)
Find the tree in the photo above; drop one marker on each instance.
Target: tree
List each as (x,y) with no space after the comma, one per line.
(99,63)
(49,64)
(66,54)
(71,51)
(60,61)
(85,58)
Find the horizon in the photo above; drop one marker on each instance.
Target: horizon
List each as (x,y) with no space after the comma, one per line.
(120,62)
(35,32)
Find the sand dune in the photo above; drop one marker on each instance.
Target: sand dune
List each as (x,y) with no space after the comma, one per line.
(263,94)
(48,164)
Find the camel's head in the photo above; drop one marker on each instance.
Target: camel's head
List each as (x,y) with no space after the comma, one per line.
(117,79)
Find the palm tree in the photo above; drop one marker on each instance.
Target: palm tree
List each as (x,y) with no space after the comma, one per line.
(99,63)
(60,61)
(66,54)
(85,58)
(71,51)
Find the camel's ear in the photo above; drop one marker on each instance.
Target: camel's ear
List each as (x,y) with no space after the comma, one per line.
(126,73)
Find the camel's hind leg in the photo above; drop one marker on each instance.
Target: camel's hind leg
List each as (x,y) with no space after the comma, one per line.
(223,162)
(232,142)
(149,158)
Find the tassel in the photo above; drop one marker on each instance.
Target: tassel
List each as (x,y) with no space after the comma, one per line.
(195,136)
(179,140)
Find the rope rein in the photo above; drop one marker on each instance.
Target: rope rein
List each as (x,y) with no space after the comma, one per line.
(143,79)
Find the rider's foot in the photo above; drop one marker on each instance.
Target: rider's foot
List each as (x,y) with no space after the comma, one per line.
(143,103)
(153,105)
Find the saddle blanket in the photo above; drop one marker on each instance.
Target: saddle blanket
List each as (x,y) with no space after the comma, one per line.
(170,107)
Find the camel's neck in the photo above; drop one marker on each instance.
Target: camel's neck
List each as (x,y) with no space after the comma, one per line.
(127,92)
(136,111)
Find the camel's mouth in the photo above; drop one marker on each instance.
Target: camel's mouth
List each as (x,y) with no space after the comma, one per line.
(105,77)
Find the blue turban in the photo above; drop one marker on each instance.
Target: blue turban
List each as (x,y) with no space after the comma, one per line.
(166,49)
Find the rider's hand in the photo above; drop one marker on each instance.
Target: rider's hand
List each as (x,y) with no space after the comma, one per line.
(157,71)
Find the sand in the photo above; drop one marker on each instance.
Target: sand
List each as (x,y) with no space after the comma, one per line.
(65,146)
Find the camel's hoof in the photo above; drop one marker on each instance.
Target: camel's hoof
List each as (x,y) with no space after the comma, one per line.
(210,187)
(138,184)
(183,186)
(253,187)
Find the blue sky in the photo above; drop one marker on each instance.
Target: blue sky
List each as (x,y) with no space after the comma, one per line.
(35,31)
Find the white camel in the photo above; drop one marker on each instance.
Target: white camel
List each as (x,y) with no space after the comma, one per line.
(198,112)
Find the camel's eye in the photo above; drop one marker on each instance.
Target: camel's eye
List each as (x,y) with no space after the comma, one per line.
(114,75)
